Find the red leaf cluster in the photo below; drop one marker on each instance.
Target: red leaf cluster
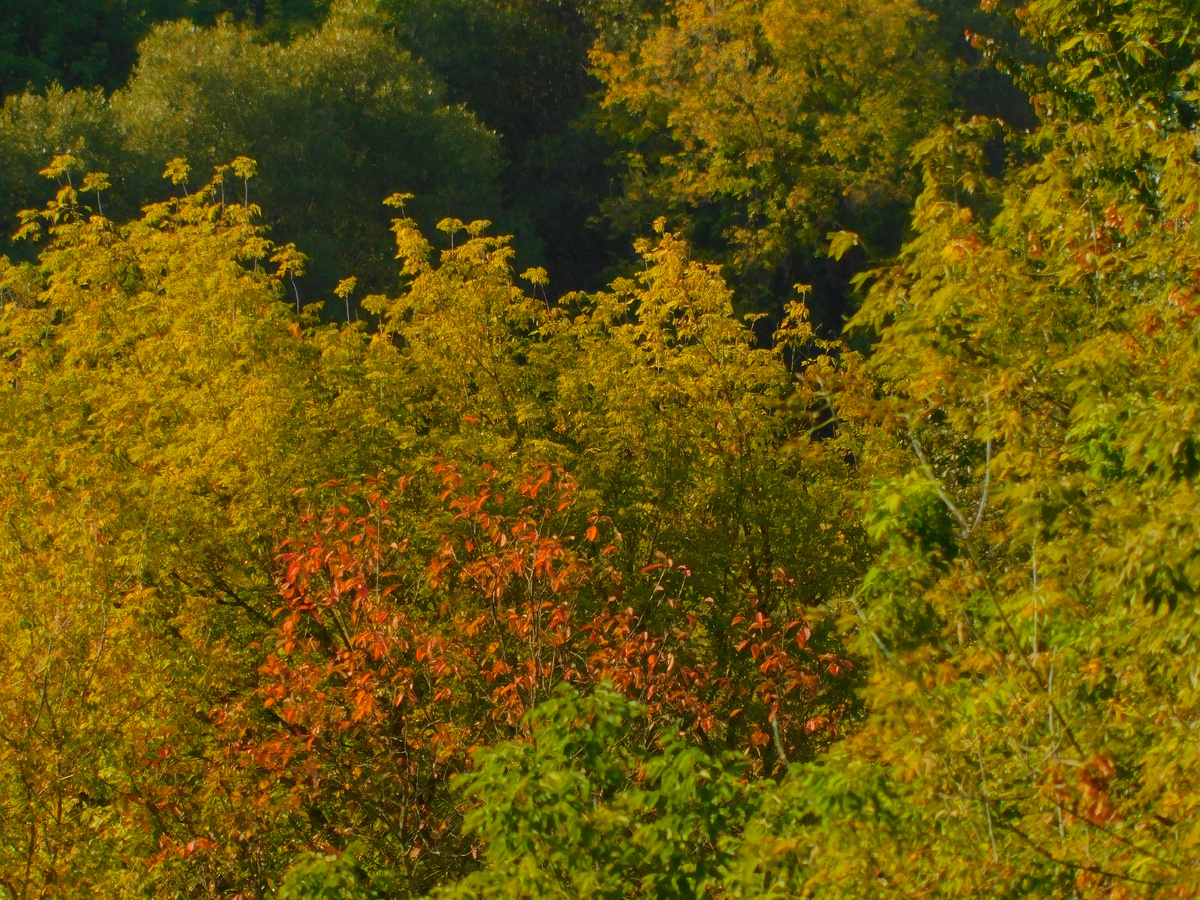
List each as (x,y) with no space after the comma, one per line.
(410,633)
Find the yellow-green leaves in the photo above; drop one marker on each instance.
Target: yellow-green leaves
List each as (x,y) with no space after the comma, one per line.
(167,415)
(1027,616)
(158,412)
(177,171)
(767,123)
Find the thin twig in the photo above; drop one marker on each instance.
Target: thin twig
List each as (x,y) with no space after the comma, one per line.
(1095,870)
(987,471)
(987,806)
(990,588)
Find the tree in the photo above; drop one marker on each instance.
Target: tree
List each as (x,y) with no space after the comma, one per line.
(763,126)
(425,615)
(93,44)
(1031,705)
(1030,429)
(337,120)
(33,131)
(582,805)
(157,416)
(522,67)
(585,802)
(149,501)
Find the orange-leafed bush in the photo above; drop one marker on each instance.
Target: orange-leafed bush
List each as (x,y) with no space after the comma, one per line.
(421,620)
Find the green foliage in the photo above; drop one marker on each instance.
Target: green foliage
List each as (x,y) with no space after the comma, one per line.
(339,118)
(326,876)
(34,130)
(92,43)
(580,808)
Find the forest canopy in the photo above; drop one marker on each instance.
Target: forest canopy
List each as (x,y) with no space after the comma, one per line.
(613,448)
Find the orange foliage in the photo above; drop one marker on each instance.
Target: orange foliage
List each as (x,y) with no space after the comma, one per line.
(407,636)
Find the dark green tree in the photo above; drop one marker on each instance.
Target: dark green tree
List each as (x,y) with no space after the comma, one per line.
(93,43)
(338,120)
(522,66)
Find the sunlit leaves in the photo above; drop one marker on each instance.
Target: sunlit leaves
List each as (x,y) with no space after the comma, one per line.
(1027,618)
(153,393)
(195,422)
(764,124)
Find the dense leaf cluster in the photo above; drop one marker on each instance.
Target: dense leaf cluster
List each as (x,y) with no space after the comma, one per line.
(449,586)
